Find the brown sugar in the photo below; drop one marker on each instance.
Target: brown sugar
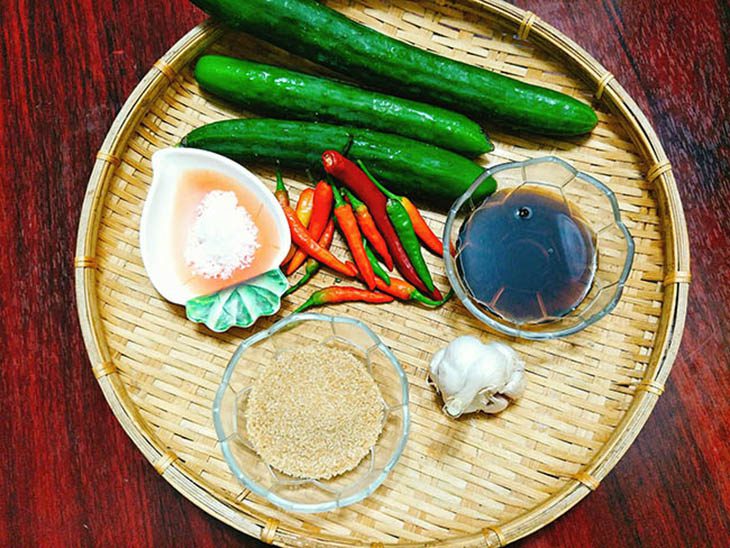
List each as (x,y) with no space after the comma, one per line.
(314,413)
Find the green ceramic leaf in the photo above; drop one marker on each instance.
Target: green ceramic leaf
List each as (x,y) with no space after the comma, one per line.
(240,305)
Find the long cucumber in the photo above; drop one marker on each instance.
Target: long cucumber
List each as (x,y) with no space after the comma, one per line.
(413,168)
(325,36)
(283,93)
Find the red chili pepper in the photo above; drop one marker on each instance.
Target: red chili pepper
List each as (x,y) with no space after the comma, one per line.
(360,184)
(321,209)
(343,294)
(301,237)
(304,214)
(403,291)
(312,265)
(369,230)
(348,225)
(325,240)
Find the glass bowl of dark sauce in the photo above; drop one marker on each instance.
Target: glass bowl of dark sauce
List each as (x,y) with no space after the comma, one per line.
(544,256)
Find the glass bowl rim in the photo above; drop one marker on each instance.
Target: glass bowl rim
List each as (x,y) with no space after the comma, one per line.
(454,280)
(224,441)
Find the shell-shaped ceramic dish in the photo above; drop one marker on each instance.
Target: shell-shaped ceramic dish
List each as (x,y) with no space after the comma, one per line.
(161,226)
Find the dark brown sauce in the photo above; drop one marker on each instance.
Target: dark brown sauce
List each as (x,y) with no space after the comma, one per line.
(527,255)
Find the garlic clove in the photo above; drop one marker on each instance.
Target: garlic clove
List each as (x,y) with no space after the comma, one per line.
(495,404)
(454,407)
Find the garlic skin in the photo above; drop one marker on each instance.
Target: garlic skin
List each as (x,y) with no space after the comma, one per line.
(473,376)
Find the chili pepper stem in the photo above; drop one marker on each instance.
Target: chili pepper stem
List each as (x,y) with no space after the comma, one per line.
(309,303)
(377,183)
(280,187)
(348,146)
(421,298)
(310,270)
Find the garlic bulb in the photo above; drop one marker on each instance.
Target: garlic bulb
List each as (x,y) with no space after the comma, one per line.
(472,376)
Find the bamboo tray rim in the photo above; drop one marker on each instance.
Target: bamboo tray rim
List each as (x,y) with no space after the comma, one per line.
(668,336)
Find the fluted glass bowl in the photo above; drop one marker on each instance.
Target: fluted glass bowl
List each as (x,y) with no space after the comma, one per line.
(287,335)
(597,205)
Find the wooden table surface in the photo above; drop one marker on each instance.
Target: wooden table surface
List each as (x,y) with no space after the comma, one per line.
(70,474)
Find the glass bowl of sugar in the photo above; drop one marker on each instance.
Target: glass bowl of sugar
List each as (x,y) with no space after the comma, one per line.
(312,413)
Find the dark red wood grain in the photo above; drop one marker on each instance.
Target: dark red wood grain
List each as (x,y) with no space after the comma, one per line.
(70,476)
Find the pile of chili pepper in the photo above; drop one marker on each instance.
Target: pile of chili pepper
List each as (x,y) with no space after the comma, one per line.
(377,226)
(395,217)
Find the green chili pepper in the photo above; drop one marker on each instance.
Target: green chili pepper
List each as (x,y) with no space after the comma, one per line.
(401,219)
(310,269)
(421,298)
(407,235)
(403,225)
(379,271)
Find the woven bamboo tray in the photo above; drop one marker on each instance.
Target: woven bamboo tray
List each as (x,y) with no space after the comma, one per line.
(479,481)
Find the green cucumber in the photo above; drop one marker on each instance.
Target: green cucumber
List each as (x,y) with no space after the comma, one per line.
(316,32)
(413,168)
(283,93)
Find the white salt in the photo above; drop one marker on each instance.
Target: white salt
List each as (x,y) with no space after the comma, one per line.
(222,238)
